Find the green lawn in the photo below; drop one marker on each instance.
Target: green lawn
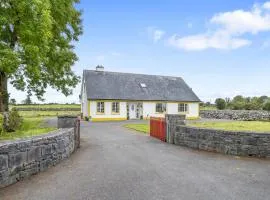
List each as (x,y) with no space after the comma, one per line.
(29,128)
(255,126)
(144,128)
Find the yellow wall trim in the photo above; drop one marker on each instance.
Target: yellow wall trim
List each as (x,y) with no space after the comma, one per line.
(89,108)
(107,119)
(192,118)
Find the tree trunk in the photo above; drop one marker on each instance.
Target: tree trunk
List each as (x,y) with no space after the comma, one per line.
(3,93)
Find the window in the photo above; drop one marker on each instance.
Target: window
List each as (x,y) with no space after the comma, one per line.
(143,85)
(115,107)
(100,107)
(160,107)
(182,107)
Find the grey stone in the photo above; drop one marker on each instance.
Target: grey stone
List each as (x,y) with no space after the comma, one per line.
(66,121)
(3,162)
(245,115)
(22,158)
(17,159)
(227,142)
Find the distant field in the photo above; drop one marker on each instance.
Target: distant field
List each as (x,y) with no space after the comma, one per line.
(47,110)
(47,113)
(47,106)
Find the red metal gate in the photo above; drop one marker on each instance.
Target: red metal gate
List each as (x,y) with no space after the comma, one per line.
(158,128)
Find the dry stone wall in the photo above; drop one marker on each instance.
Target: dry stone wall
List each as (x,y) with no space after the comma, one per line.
(22,158)
(227,142)
(245,115)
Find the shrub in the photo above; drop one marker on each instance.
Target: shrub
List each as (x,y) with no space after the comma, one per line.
(12,121)
(220,103)
(1,123)
(267,106)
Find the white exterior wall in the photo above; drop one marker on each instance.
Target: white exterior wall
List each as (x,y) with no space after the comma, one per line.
(108,110)
(84,103)
(194,110)
(149,110)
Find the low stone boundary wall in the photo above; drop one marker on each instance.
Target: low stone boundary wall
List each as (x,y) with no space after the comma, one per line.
(22,158)
(46,109)
(245,115)
(227,142)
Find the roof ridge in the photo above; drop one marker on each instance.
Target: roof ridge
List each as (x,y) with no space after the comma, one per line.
(133,73)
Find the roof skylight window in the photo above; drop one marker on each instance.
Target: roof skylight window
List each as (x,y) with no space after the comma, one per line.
(143,85)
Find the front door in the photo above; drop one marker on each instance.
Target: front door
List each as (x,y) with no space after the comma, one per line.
(132,111)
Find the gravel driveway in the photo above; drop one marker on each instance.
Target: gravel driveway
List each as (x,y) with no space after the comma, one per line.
(116,163)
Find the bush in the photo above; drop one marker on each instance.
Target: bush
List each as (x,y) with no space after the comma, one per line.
(1,123)
(12,121)
(220,103)
(267,106)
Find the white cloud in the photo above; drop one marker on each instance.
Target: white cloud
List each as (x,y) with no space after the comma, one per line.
(155,34)
(230,29)
(266,5)
(199,42)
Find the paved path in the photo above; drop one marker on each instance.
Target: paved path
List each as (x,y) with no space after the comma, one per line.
(115,163)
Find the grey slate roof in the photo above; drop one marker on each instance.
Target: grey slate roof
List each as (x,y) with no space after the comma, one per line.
(126,86)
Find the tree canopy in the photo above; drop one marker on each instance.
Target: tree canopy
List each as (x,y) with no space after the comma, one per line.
(36,45)
(244,103)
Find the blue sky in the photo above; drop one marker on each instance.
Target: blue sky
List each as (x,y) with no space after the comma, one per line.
(221,48)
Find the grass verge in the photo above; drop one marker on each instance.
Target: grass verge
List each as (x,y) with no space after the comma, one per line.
(255,126)
(143,128)
(30,127)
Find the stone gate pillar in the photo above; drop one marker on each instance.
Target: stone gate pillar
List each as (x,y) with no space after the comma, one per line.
(172,122)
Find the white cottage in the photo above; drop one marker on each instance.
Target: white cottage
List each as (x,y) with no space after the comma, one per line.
(109,96)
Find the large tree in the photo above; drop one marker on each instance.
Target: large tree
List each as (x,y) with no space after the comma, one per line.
(36,46)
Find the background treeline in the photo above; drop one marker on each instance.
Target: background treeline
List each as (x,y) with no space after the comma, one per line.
(241,103)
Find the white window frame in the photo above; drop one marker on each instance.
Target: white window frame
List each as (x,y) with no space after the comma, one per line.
(163,107)
(100,107)
(183,108)
(115,107)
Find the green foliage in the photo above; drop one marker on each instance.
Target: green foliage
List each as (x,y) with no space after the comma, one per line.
(30,127)
(13,121)
(267,106)
(1,123)
(246,103)
(28,100)
(12,101)
(220,104)
(36,44)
